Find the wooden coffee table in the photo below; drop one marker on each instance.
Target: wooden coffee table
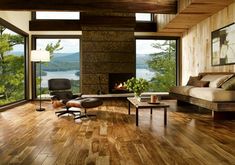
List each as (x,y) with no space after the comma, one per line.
(143,105)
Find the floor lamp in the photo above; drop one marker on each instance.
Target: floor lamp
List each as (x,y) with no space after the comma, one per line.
(40,56)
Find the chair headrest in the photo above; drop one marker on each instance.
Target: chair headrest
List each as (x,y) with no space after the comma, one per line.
(59,84)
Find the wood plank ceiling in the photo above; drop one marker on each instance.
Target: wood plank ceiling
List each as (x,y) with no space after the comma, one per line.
(134,6)
(191,12)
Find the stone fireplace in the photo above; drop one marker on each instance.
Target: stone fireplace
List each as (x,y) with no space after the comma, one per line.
(108,46)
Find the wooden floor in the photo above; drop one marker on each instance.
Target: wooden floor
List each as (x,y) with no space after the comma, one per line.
(30,137)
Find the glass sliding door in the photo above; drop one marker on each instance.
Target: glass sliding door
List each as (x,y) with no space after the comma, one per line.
(156,62)
(12,66)
(64,63)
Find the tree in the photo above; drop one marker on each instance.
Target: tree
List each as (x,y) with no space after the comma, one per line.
(163,64)
(7,41)
(52,48)
(11,68)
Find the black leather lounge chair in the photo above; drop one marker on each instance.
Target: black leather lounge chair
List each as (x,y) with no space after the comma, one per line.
(60,89)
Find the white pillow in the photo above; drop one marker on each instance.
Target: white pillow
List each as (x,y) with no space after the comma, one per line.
(216,80)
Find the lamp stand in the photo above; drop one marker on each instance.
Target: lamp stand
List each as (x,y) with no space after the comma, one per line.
(40,101)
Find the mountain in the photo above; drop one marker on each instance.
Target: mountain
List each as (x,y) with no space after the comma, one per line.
(62,57)
(17,53)
(63,62)
(141,61)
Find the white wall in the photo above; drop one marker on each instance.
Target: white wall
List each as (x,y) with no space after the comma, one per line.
(20,19)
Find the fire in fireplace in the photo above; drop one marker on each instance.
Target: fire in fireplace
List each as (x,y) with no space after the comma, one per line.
(119,86)
(116,82)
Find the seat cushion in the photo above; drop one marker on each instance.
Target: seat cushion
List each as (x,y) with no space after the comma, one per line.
(91,102)
(212,94)
(85,103)
(183,90)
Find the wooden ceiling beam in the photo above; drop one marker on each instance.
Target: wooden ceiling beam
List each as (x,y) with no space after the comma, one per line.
(132,6)
(191,13)
(76,25)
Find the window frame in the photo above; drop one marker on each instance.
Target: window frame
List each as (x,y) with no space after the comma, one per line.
(33,66)
(178,58)
(26,63)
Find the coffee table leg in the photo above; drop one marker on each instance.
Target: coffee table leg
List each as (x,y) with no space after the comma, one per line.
(151,111)
(129,108)
(165,116)
(137,117)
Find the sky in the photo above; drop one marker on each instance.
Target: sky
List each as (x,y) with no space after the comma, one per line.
(69,45)
(143,16)
(57,15)
(145,46)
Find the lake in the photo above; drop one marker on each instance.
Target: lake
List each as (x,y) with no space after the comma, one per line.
(144,73)
(70,74)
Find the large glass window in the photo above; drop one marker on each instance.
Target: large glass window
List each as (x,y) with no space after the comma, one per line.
(12,66)
(58,15)
(143,17)
(64,62)
(156,62)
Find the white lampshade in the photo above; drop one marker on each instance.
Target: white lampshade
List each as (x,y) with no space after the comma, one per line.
(40,56)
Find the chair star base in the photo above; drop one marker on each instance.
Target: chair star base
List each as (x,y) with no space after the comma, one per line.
(67,111)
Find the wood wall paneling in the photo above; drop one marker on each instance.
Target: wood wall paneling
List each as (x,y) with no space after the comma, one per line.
(196,44)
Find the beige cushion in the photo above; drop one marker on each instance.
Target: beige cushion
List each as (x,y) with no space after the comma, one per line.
(212,94)
(183,90)
(216,80)
(229,85)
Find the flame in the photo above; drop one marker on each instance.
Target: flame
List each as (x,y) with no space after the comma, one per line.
(119,86)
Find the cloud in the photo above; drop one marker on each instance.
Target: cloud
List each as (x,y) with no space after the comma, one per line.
(69,45)
(144,46)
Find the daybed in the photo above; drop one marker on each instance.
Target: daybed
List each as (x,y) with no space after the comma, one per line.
(210,90)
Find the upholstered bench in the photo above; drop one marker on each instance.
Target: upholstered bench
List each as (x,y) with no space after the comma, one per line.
(84,103)
(210,90)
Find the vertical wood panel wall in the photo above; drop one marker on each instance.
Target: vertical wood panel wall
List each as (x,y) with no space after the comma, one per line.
(105,49)
(196,44)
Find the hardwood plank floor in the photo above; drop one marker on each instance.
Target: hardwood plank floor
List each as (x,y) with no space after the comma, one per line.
(41,138)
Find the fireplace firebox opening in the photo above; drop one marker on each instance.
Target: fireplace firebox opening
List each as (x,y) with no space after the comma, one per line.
(116,82)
